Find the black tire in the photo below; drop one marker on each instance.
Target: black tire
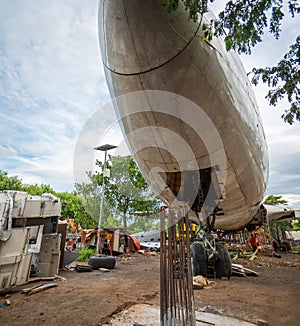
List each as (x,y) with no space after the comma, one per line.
(275,245)
(199,259)
(287,244)
(97,262)
(282,248)
(223,265)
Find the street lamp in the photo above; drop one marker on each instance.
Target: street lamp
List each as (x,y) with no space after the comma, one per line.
(105,149)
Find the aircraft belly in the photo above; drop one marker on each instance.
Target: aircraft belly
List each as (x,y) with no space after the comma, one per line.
(218,85)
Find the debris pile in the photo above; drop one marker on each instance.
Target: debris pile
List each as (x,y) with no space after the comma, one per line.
(240,270)
(201,282)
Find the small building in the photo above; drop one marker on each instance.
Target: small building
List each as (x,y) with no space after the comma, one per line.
(114,241)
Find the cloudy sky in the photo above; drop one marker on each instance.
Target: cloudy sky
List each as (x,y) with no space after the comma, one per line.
(52,82)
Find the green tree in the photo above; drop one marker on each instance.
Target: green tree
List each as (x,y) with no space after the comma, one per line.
(275,200)
(90,197)
(142,223)
(15,183)
(9,183)
(242,24)
(127,194)
(127,191)
(38,190)
(296,225)
(72,208)
(112,221)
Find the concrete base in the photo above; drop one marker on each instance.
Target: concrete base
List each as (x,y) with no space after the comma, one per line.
(147,315)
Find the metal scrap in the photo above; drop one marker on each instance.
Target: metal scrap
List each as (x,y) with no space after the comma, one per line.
(176,285)
(83,268)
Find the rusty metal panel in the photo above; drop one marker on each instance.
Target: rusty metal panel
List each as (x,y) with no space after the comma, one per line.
(49,257)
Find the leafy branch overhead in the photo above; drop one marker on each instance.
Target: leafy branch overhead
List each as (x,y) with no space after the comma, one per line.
(243,23)
(288,73)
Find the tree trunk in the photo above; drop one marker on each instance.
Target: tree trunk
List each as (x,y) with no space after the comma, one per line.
(124,220)
(125,212)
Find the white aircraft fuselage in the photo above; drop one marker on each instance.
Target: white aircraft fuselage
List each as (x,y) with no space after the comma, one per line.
(189,96)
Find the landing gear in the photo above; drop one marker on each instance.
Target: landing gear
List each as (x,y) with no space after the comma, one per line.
(209,260)
(199,259)
(210,257)
(222,265)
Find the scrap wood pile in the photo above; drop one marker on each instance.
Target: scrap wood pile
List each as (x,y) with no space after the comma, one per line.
(242,253)
(41,286)
(79,267)
(240,270)
(38,288)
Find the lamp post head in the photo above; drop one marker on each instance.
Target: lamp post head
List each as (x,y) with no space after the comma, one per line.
(105,147)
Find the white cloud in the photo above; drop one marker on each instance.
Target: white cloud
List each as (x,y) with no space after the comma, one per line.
(51,81)
(292,199)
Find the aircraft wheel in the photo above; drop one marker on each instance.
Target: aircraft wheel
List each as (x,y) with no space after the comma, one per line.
(199,262)
(223,265)
(97,262)
(275,245)
(287,245)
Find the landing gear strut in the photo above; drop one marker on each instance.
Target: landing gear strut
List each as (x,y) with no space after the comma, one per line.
(210,256)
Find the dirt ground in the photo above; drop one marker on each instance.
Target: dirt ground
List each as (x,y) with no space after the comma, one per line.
(91,298)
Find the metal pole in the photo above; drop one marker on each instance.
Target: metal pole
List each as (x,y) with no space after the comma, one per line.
(101,205)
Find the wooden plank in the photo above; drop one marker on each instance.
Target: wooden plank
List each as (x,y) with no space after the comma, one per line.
(239,273)
(250,272)
(42,288)
(26,290)
(253,256)
(36,279)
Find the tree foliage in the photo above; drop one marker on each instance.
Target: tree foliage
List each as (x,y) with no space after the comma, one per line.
(275,200)
(242,24)
(296,225)
(14,183)
(127,191)
(127,194)
(73,209)
(9,183)
(90,197)
(283,80)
